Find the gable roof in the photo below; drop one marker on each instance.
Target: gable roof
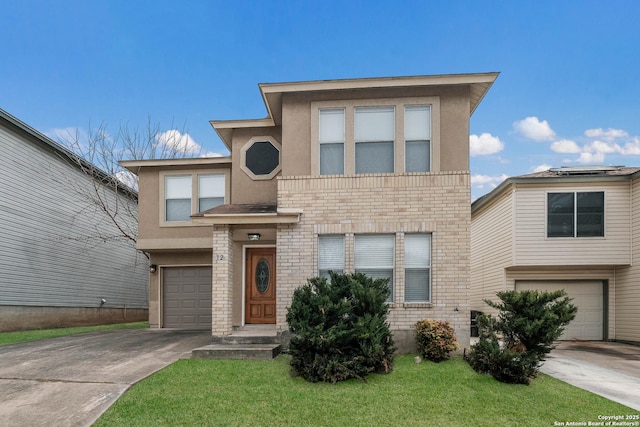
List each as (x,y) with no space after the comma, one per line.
(561,175)
(64,153)
(272,94)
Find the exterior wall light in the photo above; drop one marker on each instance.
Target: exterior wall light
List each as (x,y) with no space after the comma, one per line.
(253,236)
(153,268)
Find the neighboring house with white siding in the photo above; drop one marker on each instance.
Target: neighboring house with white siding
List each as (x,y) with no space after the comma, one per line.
(572,228)
(367,175)
(54,271)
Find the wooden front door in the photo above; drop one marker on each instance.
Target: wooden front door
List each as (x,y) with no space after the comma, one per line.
(260,282)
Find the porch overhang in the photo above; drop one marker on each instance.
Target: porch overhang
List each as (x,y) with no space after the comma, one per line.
(247,214)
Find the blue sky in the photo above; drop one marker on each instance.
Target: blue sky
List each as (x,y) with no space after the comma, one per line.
(568,93)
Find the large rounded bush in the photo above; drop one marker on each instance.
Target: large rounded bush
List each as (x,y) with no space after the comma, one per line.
(340,328)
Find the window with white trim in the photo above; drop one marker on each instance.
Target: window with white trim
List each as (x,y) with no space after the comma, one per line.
(211,189)
(330,255)
(177,191)
(374,134)
(331,139)
(374,256)
(417,138)
(417,268)
(575,214)
(187,194)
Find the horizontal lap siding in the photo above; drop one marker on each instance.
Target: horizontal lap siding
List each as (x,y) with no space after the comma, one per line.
(627,315)
(491,250)
(534,248)
(45,256)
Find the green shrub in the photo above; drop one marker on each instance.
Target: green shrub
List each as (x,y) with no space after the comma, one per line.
(435,339)
(528,324)
(340,329)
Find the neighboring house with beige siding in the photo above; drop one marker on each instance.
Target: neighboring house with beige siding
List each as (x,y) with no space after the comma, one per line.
(366,175)
(570,228)
(59,262)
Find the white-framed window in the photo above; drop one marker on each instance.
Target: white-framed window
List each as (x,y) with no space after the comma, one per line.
(331,136)
(417,268)
(374,256)
(417,138)
(330,254)
(375,136)
(177,190)
(575,214)
(211,190)
(187,193)
(374,133)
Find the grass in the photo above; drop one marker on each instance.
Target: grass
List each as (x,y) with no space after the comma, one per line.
(39,334)
(240,393)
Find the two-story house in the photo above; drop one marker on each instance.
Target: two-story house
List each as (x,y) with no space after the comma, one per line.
(360,175)
(571,228)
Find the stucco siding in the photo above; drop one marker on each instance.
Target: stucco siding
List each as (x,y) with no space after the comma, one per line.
(533,247)
(627,296)
(491,249)
(48,253)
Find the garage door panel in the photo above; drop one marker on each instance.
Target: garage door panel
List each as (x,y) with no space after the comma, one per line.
(187,297)
(588,296)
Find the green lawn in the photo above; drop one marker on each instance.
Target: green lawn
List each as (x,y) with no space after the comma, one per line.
(201,392)
(24,336)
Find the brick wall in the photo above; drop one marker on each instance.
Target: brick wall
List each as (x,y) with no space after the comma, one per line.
(222,273)
(437,203)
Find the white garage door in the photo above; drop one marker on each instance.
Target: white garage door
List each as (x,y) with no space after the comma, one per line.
(186,297)
(587,296)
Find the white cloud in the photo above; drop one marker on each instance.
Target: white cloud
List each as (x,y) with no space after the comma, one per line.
(183,143)
(601,147)
(590,158)
(128,179)
(607,135)
(484,144)
(543,167)
(479,181)
(632,148)
(533,128)
(565,146)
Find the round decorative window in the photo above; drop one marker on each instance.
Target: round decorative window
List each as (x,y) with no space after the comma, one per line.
(261,158)
(262,275)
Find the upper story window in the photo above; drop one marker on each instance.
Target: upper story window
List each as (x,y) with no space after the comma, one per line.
(331,139)
(177,190)
(417,138)
(575,214)
(375,136)
(187,194)
(260,158)
(211,189)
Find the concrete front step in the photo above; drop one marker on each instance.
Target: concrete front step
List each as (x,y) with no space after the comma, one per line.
(247,338)
(237,351)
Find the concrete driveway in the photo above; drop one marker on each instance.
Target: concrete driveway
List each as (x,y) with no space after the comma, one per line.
(71,381)
(609,369)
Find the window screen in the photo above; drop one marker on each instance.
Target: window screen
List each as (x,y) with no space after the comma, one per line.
(374,256)
(417,267)
(374,138)
(211,189)
(331,135)
(177,192)
(330,255)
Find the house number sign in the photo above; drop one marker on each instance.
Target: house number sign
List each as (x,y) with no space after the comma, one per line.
(262,276)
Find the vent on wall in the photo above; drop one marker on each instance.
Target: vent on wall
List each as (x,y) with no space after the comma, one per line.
(584,170)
